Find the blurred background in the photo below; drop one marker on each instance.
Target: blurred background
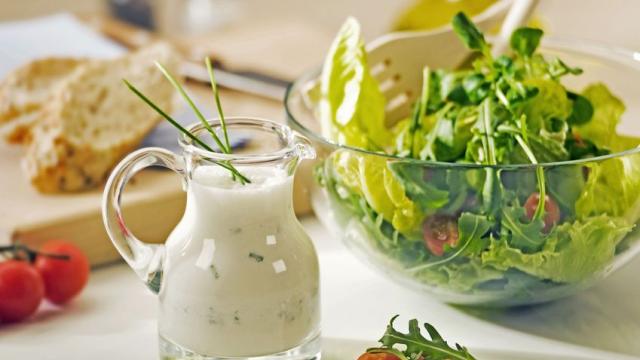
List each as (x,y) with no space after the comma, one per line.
(568,17)
(267,35)
(561,16)
(588,19)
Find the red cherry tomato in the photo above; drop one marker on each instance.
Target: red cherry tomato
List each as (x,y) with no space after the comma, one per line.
(378,356)
(63,278)
(551,210)
(21,290)
(439,230)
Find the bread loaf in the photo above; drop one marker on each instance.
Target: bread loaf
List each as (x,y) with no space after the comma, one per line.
(27,90)
(92,120)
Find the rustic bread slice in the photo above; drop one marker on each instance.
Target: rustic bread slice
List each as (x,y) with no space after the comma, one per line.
(94,120)
(26,90)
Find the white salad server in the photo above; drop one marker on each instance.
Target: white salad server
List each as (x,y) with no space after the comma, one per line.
(397,59)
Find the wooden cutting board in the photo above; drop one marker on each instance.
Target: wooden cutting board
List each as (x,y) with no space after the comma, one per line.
(32,218)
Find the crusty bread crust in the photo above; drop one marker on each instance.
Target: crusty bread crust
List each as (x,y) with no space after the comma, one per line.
(93,120)
(26,90)
(56,165)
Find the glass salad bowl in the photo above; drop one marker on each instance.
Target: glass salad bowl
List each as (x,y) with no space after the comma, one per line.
(442,241)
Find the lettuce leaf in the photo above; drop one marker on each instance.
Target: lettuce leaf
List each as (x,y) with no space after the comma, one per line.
(351,105)
(346,164)
(472,229)
(613,188)
(524,235)
(565,185)
(574,252)
(548,110)
(608,109)
(613,185)
(370,177)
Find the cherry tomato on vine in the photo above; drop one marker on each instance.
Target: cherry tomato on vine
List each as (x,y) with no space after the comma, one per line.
(63,278)
(551,210)
(439,230)
(21,290)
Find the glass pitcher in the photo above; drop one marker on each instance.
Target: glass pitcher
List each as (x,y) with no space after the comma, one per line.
(238,276)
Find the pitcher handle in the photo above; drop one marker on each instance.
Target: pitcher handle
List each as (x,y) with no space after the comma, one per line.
(145,259)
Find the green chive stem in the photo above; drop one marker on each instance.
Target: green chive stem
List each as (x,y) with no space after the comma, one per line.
(216,95)
(195,109)
(225,164)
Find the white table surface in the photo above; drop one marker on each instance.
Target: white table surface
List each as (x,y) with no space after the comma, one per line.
(115,316)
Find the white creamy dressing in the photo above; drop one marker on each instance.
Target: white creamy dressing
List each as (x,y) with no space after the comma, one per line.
(241,277)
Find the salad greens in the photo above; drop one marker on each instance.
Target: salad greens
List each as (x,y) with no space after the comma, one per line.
(474,229)
(413,345)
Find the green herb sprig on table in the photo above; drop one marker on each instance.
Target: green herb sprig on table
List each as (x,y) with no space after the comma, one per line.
(416,346)
(224,146)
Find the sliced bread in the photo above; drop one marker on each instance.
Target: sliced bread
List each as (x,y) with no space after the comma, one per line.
(26,90)
(93,120)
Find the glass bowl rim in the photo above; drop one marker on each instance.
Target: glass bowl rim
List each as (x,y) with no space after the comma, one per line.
(578,46)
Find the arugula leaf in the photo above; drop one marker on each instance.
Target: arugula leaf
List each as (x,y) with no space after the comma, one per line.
(422,192)
(525,236)
(565,185)
(416,344)
(525,40)
(471,230)
(469,34)
(545,147)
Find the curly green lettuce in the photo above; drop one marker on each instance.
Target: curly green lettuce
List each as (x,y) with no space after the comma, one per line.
(573,252)
(546,112)
(613,188)
(607,111)
(613,185)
